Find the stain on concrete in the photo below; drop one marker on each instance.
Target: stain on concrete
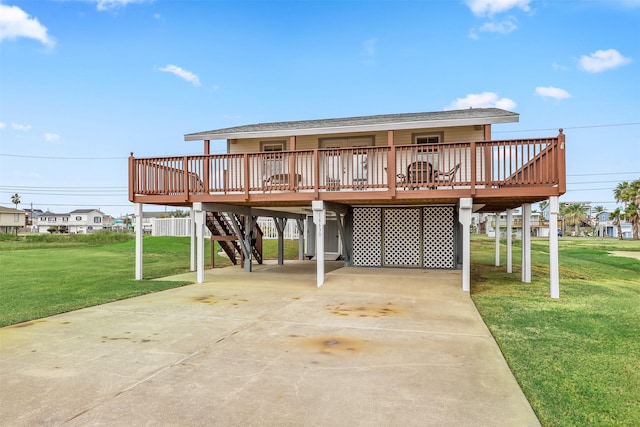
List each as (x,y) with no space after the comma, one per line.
(368,310)
(335,345)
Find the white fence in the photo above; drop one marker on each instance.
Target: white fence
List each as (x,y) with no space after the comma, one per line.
(181,227)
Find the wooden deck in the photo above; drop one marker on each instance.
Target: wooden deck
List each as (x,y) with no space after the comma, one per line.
(497,174)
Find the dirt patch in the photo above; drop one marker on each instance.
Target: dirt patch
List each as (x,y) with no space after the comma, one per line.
(626,254)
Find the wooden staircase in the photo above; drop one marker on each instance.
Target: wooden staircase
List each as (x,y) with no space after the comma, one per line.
(222,232)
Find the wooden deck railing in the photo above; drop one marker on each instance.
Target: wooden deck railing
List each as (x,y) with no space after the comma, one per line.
(472,165)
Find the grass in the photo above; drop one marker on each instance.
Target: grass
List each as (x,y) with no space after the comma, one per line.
(576,358)
(43,275)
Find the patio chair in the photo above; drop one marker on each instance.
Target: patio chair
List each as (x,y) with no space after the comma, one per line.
(420,173)
(448,177)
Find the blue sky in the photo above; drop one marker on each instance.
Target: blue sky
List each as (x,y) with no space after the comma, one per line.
(84,83)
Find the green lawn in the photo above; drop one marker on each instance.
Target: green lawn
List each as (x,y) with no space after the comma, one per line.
(577,359)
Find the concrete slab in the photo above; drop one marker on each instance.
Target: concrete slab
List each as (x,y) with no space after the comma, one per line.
(372,347)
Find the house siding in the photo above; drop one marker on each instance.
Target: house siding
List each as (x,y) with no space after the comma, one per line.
(401,137)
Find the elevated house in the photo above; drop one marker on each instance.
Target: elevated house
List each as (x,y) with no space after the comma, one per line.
(399,189)
(79,221)
(11,219)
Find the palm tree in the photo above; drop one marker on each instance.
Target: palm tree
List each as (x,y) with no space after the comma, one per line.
(629,194)
(632,213)
(574,214)
(15,199)
(542,205)
(618,215)
(596,213)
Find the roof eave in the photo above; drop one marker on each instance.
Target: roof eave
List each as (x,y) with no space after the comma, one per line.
(426,124)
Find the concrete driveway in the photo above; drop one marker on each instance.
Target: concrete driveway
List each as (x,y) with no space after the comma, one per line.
(372,347)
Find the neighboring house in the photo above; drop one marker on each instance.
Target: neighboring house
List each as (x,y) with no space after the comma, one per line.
(52,222)
(31,214)
(607,227)
(539,227)
(387,191)
(83,221)
(79,221)
(11,219)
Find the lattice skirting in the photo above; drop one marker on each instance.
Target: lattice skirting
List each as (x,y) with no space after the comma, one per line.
(404,237)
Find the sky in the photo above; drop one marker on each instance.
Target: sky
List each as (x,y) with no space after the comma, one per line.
(84,83)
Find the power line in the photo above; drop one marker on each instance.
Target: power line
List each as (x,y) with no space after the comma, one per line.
(605,173)
(570,127)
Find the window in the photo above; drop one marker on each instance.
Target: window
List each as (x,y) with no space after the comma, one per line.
(97,220)
(349,141)
(78,218)
(272,162)
(65,219)
(427,138)
(16,217)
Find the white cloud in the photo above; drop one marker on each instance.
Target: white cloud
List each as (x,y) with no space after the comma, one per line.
(3,125)
(182,73)
(14,23)
(552,92)
(502,27)
(602,60)
(557,66)
(369,46)
(492,7)
(482,100)
(18,126)
(103,5)
(51,137)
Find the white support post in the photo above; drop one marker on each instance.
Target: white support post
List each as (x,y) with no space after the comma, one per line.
(249,225)
(526,243)
(139,235)
(300,223)
(200,224)
(192,233)
(280,223)
(464,216)
(554,270)
(496,231)
(319,219)
(509,241)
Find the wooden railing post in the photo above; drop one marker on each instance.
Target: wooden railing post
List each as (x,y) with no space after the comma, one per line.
(292,163)
(473,155)
(206,167)
(246,176)
(391,164)
(562,163)
(132,178)
(316,172)
(186,177)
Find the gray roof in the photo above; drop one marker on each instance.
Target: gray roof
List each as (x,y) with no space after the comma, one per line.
(85,211)
(4,209)
(467,117)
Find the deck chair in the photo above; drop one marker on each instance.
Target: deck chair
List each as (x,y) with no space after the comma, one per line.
(418,175)
(448,177)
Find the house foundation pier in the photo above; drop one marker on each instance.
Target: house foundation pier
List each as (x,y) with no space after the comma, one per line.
(526,243)
(465,208)
(319,219)
(554,271)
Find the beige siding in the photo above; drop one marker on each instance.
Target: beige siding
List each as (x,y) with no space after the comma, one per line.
(402,137)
